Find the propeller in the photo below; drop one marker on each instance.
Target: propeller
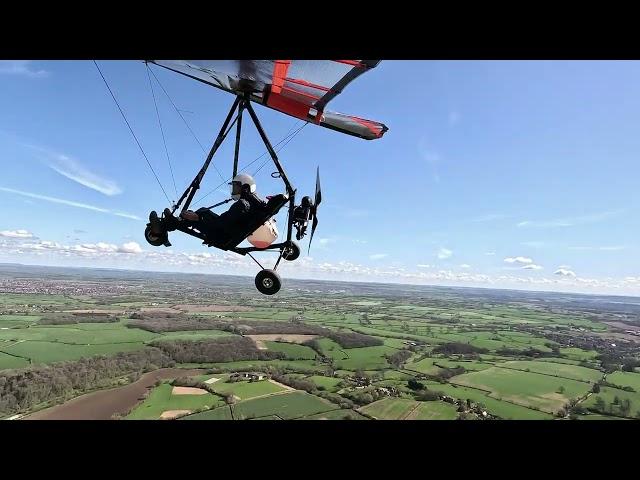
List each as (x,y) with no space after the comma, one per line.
(314,208)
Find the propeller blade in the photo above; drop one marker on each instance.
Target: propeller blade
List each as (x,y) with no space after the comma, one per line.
(318,190)
(313,230)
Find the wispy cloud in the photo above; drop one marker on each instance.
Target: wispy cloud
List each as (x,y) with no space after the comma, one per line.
(572,221)
(523,260)
(489,217)
(22,68)
(423,265)
(564,272)
(465,265)
(70,203)
(444,253)
(378,256)
(16,234)
(532,266)
(74,170)
(490,254)
(604,248)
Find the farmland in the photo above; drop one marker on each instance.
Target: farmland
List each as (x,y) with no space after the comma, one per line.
(315,351)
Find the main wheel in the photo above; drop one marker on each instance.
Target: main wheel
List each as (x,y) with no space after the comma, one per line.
(291,252)
(153,239)
(268,282)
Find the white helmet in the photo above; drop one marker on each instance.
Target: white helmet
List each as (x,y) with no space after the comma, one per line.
(240,182)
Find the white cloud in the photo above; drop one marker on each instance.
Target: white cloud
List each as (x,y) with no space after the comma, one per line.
(524,260)
(74,170)
(490,254)
(564,272)
(444,253)
(22,68)
(378,256)
(532,266)
(464,265)
(16,234)
(70,203)
(130,247)
(570,222)
(423,265)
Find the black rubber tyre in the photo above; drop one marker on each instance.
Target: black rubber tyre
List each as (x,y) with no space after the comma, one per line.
(268,282)
(292,252)
(154,240)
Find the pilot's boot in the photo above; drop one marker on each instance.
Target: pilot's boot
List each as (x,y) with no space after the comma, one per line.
(155,224)
(169,221)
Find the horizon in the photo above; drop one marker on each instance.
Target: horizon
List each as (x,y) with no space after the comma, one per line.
(356,282)
(505,175)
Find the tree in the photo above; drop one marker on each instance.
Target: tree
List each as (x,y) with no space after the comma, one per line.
(600,405)
(625,407)
(561,389)
(616,400)
(596,388)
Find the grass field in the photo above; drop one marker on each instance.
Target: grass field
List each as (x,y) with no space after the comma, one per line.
(48,352)
(161,400)
(246,390)
(625,379)
(286,406)
(433,411)
(523,388)
(8,361)
(499,408)
(192,335)
(608,394)
(426,365)
(329,383)
(390,408)
(340,414)
(557,369)
(80,334)
(220,413)
(10,321)
(365,358)
(292,350)
(578,353)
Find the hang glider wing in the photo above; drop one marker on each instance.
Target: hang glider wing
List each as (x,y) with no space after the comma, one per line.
(300,88)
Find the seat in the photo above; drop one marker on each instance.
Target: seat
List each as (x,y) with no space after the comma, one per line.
(272,207)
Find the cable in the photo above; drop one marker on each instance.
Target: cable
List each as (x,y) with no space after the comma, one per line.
(162,131)
(131,130)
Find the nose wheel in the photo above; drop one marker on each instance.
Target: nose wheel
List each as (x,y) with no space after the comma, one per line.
(153,238)
(268,282)
(291,252)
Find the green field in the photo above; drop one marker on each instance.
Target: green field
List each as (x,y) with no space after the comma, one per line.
(390,408)
(246,390)
(578,353)
(365,358)
(426,365)
(286,406)
(523,388)
(8,361)
(340,414)
(498,408)
(434,411)
(329,383)
(625,379)
(48,352)
(161,400)
(292,350)
(220,413)
(556,369)
(608,394)
(10,321)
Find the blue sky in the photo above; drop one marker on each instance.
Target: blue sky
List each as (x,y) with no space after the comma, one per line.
(499,174)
